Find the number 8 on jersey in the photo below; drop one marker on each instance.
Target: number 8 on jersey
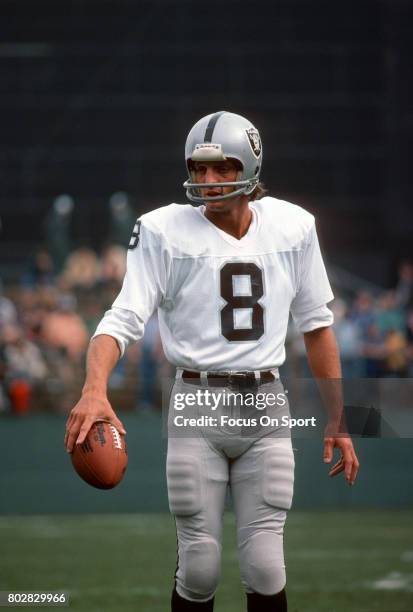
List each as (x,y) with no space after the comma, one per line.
(242,318)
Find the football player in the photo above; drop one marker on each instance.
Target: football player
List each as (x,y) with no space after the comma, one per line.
(224,272)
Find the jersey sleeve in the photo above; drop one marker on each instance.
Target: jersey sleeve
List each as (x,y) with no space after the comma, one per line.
(308,308)
(123,325)
(143,288)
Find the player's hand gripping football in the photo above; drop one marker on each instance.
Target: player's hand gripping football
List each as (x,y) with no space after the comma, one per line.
(348,463)
(89,409)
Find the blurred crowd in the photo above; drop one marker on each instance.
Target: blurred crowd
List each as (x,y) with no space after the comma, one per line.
(48,315)
(374,331)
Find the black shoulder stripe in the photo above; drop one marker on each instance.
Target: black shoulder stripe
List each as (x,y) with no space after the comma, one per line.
(211,126)
(134,241)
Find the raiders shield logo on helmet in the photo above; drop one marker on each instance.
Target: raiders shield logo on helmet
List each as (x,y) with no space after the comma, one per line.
(255,140)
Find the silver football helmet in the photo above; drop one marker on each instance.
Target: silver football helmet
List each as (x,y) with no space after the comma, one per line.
(218,137)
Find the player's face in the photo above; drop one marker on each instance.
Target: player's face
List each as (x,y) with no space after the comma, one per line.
(215,172)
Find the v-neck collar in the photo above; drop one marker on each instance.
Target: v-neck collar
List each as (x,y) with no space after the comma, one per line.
(227,237)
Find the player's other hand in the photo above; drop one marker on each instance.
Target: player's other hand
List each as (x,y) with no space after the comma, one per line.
(89,409)
(348,462)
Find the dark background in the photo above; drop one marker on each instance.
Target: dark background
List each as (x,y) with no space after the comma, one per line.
(97,96)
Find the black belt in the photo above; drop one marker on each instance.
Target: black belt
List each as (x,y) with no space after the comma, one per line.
(238,379)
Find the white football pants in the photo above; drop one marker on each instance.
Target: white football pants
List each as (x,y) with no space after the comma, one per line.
(258,468)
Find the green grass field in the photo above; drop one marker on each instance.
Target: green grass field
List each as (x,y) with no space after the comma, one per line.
(336,561)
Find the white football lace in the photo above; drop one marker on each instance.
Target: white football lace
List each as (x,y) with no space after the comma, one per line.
(116,437)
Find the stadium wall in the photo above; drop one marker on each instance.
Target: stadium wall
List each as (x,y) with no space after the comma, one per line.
(36,475)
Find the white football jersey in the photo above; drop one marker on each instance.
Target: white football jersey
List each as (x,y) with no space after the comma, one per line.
(223,303)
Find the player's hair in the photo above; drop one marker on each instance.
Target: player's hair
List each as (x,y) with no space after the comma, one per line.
(259,192)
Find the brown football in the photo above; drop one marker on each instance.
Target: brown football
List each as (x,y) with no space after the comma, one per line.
(102,458)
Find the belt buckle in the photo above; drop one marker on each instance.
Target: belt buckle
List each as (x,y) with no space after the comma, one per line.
(233,377)
(240,378)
